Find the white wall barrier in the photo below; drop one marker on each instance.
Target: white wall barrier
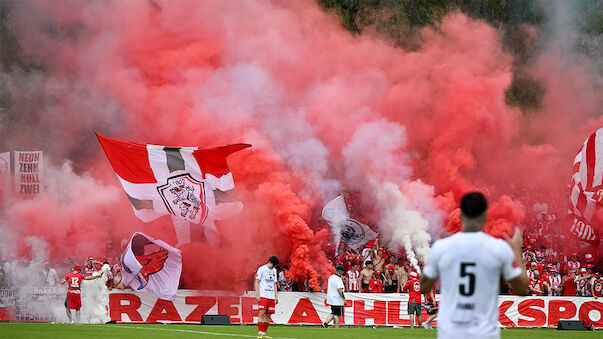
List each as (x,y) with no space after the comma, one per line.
(361,308)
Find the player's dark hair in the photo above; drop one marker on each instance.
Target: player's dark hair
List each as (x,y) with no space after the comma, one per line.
(274,260)
(286,267)
(368,262)
(339,268)
(473,204)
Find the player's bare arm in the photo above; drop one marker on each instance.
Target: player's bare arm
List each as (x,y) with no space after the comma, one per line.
(275,293)
(520,283)
(92,277)
(399,275)
(256,286)
(547,287)
(588,276)
(402,278)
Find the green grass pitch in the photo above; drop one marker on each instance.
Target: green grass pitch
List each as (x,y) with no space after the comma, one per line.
(146,331)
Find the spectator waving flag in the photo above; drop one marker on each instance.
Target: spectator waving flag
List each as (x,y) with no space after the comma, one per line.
(151,265)
(192,185)
(354,233)
(587,190)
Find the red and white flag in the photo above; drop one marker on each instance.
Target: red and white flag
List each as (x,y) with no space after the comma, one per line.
(192,185)
(151,265)
(587,189)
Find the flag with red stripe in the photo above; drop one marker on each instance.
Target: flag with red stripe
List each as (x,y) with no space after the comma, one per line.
(189,183)
(149,264)
(587,189)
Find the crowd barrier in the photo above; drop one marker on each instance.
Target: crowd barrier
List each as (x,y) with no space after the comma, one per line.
(361,308)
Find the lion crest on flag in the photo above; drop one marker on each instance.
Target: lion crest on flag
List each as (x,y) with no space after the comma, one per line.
(352,232)
(184,196)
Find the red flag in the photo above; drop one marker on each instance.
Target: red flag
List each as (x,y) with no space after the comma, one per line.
(189,183)
(587,189)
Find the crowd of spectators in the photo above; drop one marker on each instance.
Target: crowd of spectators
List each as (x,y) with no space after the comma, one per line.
(557,264)
(16,273)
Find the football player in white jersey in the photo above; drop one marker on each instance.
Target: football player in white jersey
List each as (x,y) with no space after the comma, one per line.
(266,294)
(469,264)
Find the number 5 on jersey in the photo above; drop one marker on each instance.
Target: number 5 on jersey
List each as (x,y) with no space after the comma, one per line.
(467,271)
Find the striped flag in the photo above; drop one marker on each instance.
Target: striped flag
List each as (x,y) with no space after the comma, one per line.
(587,189)
(191,184)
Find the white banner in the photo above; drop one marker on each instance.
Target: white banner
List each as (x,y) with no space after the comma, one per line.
(361,308)
(29,172)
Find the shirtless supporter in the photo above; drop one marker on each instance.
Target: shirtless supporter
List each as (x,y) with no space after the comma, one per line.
(365,276)
(378,258)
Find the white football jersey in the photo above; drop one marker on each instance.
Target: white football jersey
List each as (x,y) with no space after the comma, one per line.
(267,278)
(470,265)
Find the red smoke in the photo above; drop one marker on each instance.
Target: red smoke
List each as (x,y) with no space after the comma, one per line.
(285,77)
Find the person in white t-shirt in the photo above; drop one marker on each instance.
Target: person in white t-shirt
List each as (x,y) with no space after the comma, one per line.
(51,278)
(335,297)
(470,264)
(266,286)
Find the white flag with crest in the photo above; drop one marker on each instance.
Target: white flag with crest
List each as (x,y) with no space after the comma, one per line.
(354,233)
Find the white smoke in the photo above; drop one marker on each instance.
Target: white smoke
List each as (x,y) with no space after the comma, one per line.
(404,226)
(377,163)
(95,298)
(245,95)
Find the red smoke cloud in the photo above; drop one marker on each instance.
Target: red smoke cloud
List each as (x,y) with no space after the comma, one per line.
(285,77)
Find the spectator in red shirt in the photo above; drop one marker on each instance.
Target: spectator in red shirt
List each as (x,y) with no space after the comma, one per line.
(74,301)
(547,273)
(90,269)
(569,284)
(376,284)
(540,264)
(413,286)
